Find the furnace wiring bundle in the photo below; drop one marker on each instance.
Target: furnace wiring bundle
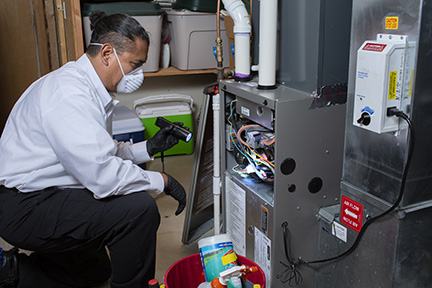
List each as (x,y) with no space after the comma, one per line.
(255,144)
(290,273)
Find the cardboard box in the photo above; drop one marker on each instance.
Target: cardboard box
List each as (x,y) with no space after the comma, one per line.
(229,32)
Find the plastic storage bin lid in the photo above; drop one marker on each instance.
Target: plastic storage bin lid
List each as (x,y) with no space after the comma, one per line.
(130,8)
(196,5)
(188,13)
(163,105)
(125,120)
(163,109)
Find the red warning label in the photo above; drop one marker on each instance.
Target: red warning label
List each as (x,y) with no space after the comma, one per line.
(374,47)
(351,214)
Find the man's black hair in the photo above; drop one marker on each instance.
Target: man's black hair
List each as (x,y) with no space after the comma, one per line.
(120,30)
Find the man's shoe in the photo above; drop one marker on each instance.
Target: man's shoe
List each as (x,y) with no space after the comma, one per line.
(9,268)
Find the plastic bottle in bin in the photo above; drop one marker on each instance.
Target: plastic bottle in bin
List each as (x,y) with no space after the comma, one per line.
(217,255)
(153,283)
(235,272)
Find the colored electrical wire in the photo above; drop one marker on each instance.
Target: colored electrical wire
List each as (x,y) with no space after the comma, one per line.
(268,143)
(231,111)
(241,146)
(251,160)
(238,148)
(244,128)
(247,145)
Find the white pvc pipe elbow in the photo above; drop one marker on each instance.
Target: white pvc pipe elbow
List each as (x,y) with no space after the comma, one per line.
(240,16)
(242,30)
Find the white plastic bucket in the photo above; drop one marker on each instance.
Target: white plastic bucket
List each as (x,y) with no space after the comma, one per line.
(217,255)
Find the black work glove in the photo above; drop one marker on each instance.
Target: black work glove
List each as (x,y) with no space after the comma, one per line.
(176,190)
(162,140)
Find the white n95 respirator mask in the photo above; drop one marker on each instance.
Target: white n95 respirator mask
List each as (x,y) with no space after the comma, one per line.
(131,81)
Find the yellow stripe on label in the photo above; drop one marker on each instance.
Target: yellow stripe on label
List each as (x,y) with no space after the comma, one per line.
(411,82)
(229,258)
(392,85)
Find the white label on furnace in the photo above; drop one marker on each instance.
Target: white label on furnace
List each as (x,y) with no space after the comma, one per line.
(236,216)
(245,111)
(262,253)
(339,231)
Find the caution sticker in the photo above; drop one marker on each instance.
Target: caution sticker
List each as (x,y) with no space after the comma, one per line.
(392,85)
(339,231)
(392,23)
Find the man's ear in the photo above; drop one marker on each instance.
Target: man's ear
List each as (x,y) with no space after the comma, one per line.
(106,52)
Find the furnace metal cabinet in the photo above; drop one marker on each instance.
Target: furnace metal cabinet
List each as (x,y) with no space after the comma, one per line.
(395,250)
(308,153)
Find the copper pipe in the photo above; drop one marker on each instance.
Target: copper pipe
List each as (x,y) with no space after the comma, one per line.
(218,19)
(219,51)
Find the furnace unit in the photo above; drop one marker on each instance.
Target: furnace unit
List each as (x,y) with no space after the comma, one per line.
(283,147)
(298,174)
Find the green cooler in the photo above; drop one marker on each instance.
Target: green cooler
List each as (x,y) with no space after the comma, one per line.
(175,108)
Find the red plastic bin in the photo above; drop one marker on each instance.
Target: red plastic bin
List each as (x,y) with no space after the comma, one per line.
(188,272)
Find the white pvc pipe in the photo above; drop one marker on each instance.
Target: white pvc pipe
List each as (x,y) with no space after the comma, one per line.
(239,14)
(242,30)
(216,163)
(267,43)
(242,55)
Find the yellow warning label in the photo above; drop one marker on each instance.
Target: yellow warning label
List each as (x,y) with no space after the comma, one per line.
(392,23)
(392,85)
(228,258)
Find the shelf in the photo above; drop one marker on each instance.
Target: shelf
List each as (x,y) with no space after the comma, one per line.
(172,71)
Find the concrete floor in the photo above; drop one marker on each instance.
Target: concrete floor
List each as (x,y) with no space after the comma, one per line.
(169,245)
